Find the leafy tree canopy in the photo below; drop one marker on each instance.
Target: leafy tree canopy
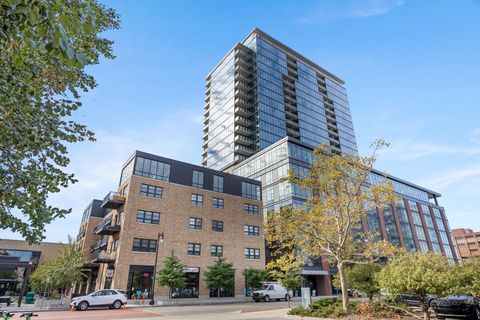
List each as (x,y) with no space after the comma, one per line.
(255,277)
(61,272)
(419,274)
(172,275)
(45,46)
(328,226)
(362,277)
(220,275)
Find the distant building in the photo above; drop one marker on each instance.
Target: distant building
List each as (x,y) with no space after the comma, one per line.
(201,213)
(18,260)
(467,243)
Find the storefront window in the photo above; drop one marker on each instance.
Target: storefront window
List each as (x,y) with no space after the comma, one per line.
(140,281)
(191,287)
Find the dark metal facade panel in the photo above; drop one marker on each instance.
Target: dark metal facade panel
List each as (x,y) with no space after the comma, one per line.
(97,210)
(182,172)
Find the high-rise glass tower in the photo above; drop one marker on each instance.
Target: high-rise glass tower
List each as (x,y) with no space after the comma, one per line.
(267,107)
(263,91)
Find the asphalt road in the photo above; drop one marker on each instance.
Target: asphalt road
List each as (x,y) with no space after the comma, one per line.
(243,311)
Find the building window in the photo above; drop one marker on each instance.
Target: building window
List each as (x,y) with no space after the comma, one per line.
(148,217)
(151,191)
(152,169)
(217,183)
(251,230)
(252,253)
(195,223)
(197,199)
(250,190)
(194,249)
(250,208)
(217,203)
(115,245)
(144,245)
(197,179)
(217,251)
(217,225)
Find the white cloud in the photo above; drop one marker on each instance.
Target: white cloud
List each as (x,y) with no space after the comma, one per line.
(475,135)
(452,177)
(97,165)
(413,150)
(334,10)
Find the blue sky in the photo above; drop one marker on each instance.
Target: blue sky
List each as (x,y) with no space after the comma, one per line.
(412,72)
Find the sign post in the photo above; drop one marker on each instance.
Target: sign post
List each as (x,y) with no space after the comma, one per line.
(306,298)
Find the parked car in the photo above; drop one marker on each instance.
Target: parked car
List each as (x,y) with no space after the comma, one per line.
(411,300)
(271,291)
(6,299)
(464,307)
(114,299)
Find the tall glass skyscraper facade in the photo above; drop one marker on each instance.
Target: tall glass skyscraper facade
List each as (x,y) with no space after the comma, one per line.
(267,107)
(261,92)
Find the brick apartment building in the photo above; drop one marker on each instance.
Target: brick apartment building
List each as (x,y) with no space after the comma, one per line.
(467,243)
(199,213)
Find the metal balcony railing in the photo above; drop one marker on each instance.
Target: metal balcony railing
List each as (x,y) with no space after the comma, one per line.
(106,227)
(113,200)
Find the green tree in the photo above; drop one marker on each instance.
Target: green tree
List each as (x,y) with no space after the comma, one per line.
(325,226)
(172,275)
(45,46)
(419,274)
(467,278)
(220,275)
(254,278)
(60,273)
(288,279)
(362,277)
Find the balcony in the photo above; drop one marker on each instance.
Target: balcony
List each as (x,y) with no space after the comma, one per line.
(242,70)
(242,94)
(243,112)
(244,130)
(243,121)
(103,257)
(113,200)
(244,140)
(242,103)
(102,243)
(80,235)
(106,227)
(242,62)
(246,151)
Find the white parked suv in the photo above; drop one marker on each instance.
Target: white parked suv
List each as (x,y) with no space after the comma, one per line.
(271,291)
(114,299)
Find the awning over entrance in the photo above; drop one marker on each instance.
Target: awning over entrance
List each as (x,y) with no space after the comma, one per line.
(314,272)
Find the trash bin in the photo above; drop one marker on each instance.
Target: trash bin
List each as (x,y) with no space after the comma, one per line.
(30,298)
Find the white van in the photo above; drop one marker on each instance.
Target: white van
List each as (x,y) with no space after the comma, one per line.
(271,291)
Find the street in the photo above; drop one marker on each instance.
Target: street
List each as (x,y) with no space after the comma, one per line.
(243,311)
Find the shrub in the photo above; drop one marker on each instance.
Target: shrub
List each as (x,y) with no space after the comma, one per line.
(377,309)
(329,307)
(299,311)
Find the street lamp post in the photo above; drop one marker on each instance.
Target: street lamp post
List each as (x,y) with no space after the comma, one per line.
(160,238)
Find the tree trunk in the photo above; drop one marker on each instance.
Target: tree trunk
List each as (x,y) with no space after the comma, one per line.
(426,312)
(170,294)
(343,281)
(425,307)
(218,293)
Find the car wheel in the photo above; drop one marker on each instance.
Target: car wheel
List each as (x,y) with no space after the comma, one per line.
(117,304)
(82,306)
(266,298)
(287,297)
